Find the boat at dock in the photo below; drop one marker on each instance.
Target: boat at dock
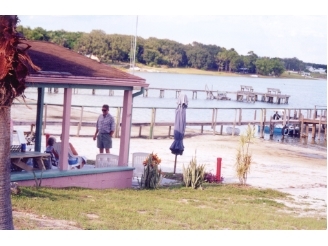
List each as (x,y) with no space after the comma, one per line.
(288,129)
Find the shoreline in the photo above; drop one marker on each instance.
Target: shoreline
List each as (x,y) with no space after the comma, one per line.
(193,71)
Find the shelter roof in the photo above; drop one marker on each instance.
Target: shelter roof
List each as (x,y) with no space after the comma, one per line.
(60,65)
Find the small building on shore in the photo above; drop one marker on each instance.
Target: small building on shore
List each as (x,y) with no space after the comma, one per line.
(63,68)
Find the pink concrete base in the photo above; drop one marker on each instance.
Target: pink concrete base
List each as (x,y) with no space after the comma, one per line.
(109,180)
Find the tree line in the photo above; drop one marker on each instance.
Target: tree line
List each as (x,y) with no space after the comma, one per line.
(113,48)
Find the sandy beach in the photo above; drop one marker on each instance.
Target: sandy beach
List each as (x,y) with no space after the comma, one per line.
(299,170)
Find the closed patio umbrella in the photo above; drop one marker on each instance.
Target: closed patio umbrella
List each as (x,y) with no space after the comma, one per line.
(177,147)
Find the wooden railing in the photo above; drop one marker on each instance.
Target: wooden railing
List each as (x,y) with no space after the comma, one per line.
(237,117)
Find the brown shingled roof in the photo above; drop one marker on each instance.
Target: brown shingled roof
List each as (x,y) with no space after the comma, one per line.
(55,58)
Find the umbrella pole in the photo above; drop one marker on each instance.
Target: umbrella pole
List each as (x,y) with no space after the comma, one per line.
(175,163)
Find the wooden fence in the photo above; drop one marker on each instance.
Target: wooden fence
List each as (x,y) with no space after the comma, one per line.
(237,117)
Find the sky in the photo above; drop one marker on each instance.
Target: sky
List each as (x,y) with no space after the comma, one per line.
(271,31)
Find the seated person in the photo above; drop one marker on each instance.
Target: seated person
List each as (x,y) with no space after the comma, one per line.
(73,154)
(50,149)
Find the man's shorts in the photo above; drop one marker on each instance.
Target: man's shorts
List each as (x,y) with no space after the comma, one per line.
(104,141)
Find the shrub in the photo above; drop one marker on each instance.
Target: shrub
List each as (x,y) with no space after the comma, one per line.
(193,175)
(211,178)
(243,158)
(152,173)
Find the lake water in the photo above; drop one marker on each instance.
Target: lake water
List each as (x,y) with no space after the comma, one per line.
(303,94)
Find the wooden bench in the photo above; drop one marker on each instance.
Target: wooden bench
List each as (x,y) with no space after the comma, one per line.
(245,87)
(274,90)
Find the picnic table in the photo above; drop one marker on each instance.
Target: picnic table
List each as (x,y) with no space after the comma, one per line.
(19,159)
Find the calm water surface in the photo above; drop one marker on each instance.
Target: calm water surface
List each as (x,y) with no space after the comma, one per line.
(303,94)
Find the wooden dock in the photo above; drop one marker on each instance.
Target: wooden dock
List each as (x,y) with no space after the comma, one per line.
(272,95)
(305,118)
(245,94)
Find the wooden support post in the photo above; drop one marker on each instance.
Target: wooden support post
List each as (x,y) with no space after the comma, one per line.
(261,125)
(169,131)
(221,130)
(80,123)
(194,94)
(118,122)
(302,124)
(271,128)
(234,123)
(319,127)
(240,117)
(264,120)
(216,116)
(44,125)
(201,129)
(152,123)
(140,128)
(145,94)
(284,118)
(314,126)
(213,113)
(299,114)
(255,115)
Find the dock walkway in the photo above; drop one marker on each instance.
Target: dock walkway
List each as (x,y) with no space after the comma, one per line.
(83,118)
(245,94)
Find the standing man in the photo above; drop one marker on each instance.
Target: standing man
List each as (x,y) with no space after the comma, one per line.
(276,116)
(105,128)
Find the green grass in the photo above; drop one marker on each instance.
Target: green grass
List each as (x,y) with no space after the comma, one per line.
(214,207)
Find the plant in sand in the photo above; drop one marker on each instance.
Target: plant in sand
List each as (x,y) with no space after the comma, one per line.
(152,173)
(193,175)
(243,157)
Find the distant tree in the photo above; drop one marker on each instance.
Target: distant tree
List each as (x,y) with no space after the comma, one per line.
(152,56)
(117,48)
(199,58)
(237,63)
(228,59)
(222,60)
(277,66)
(210,52)
(267,66)
(95,43)
(263,66)
(249,61)
(293,64)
